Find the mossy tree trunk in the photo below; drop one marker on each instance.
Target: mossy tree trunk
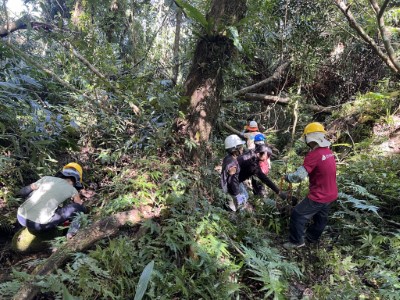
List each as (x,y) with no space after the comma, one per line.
(204,83)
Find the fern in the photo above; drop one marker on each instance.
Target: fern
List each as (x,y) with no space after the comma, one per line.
(358,204)
(270,269)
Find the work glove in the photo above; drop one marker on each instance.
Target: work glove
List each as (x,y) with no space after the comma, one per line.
(240,198)
(286,177)
(283,195)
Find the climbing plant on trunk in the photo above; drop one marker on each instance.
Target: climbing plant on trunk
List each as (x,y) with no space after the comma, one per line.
(214,49)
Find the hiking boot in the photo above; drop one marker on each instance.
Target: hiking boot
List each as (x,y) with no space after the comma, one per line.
(232,205)
(309,240)
(290,246)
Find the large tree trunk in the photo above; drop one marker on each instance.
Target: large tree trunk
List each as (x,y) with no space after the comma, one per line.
(204,83)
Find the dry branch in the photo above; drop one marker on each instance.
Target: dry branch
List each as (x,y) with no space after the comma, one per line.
(84,61)
(269,99)
(233,130)
(276,76)
(23,23)
(83,240)
(266,98)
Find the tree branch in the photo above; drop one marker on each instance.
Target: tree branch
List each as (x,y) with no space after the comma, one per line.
(14,26)
(277,75)
(235,131)
(83,240)
(84,61)
(383,8)
(23,23)
(269,99)
(384,32)
(266,98)
(353,23)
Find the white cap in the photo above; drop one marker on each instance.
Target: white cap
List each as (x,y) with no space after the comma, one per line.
(253,124)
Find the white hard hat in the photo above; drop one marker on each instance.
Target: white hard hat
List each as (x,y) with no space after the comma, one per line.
(232,141)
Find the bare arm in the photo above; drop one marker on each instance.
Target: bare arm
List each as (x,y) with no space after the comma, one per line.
(77,199)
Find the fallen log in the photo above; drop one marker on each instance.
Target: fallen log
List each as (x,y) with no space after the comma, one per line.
(83,240)
(274,77)
(266,98)
(23,23)
(270,99)
(235,131)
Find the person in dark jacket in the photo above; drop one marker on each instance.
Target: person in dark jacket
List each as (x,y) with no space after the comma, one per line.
(320,166)
(249,164)
(230,172)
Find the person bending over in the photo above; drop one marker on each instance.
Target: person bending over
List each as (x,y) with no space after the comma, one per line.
(41,211)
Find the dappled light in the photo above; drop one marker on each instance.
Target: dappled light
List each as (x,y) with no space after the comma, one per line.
(223,149)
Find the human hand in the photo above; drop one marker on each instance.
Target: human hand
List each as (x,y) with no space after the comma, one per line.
(283,195)
(240,198)
(286,177)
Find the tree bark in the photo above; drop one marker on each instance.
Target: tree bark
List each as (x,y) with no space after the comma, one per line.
(205,80)
(83,240)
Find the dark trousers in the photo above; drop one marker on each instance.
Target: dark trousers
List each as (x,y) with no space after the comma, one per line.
(62,214)
(303,212)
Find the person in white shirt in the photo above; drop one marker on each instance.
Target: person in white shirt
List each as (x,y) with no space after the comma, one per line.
(41,211)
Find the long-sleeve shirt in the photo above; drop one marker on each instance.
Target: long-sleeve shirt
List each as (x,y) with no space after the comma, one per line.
(249,166)
(230,183)
(319,164)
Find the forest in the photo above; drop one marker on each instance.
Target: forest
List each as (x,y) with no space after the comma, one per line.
(142,95)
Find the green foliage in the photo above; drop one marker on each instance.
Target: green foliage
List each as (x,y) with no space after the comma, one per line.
(371,106)
(124,124)
(144,280)
(196,15)
(270,268)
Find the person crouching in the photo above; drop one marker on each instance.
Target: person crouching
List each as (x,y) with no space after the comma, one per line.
(41,211)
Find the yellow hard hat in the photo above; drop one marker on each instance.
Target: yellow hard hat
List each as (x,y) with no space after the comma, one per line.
(75,166)
(314,127)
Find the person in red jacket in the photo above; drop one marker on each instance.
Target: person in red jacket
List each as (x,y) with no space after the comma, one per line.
(320,166)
